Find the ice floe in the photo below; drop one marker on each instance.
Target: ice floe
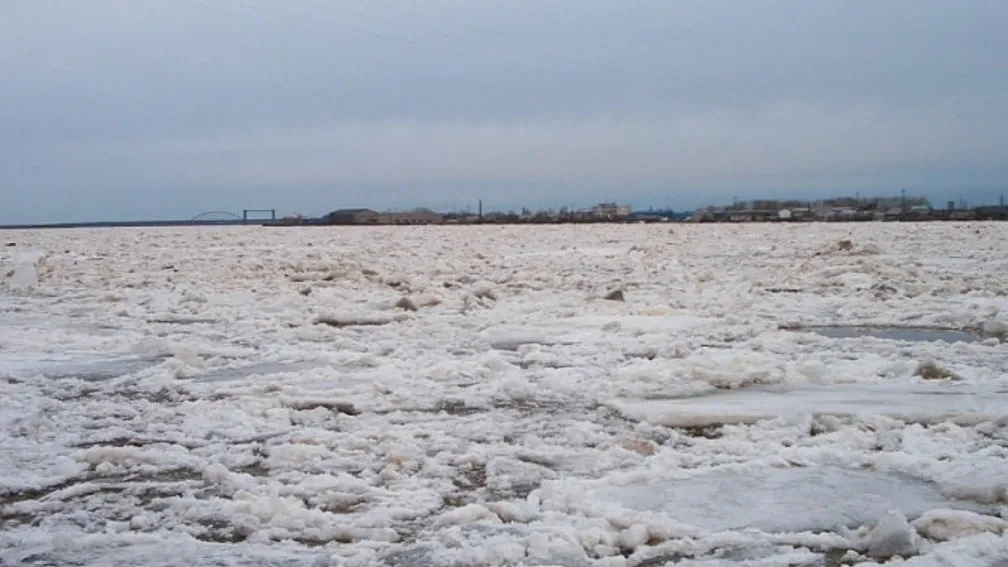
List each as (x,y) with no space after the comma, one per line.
(792,499)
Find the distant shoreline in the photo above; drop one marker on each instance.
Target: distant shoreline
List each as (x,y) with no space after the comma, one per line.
(278,224)
(123,224)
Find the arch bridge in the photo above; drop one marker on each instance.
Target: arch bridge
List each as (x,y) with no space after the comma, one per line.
(216,216)
(228,216)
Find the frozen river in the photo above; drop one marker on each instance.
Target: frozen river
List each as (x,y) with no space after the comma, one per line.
(465,396)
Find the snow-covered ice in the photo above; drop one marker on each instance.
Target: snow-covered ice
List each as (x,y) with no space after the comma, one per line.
(466,396)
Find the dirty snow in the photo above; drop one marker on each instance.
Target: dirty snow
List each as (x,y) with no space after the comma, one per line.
(465,396)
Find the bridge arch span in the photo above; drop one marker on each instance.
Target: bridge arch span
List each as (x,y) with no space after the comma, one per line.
(216,216)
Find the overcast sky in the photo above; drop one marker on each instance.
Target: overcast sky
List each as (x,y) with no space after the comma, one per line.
(123,109)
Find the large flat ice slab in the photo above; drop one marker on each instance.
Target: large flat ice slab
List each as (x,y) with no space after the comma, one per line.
(964,404)
(139,550)
(784,500)
(904,334)
(231,373)
(82,366)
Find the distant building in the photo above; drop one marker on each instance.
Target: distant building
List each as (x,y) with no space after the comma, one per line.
(611,211)
(418,216)
(354,216)
(838,214)
(370,217)
(802,214)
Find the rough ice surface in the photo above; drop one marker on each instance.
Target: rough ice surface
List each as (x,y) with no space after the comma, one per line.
(409,396)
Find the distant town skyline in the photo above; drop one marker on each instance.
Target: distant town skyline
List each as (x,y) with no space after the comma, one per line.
(495,206)
(127,109)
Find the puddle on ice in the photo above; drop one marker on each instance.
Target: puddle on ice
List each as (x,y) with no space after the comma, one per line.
(964,404)
(784,500)
(905,334)
(91,368)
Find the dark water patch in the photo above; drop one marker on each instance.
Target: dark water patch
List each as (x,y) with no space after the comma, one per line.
(903,334)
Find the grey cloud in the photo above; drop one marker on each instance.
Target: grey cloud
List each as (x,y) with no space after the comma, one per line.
(725,146)
(218,101)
